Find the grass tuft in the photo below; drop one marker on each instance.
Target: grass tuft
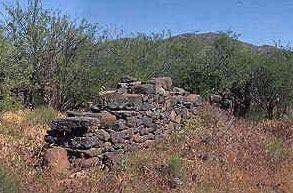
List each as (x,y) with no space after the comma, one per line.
(9,130)
(8,184)
(277,149)
(41,115)
(175,167)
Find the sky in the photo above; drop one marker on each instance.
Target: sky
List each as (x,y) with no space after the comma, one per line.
(258,21)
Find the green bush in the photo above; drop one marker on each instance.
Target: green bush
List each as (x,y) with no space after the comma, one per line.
(41,115)
(8,184)
(8,103)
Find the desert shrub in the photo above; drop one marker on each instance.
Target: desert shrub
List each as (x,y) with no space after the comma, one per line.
(202,187)
(9,130)
(256,114)
(276,149)
(41,115)
(288,117)
(8,184)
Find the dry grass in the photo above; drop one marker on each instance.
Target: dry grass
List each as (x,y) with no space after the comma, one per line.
(255,157)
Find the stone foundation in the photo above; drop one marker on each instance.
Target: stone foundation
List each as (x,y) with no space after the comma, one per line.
(123,119)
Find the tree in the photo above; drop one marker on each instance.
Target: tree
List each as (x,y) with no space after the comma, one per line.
(50,50)
(271,83)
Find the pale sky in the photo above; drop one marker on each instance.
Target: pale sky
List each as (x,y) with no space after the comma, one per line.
(258,21)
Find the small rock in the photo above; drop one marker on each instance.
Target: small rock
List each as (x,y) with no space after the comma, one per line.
(176,183)
(128,79)
(79,175)
(87,163)
(276,188)
(113,160)
(75,125)
(140,139)
(173,116)
(212,156)
(180,91)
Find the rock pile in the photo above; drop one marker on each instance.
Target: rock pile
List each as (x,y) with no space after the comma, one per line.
(123,119)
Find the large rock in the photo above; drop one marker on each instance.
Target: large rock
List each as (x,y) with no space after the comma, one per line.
(128,79)
(180,91)
(119,125)
(106,119)
(84,142)
(145,107)
(178,100)
(119,137)
(215,99)
(132,99)
(195,99)
(162,82)
(143,89)
(103,135)
(56,159)
(124,114)
(109,97)
(119,102)
(75,125)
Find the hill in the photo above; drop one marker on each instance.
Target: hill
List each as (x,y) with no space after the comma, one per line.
(148,56)
(209,39)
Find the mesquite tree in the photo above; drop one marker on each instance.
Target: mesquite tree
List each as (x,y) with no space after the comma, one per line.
(50,52)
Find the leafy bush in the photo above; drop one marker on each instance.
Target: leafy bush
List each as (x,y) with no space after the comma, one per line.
(41,115)
(8,184)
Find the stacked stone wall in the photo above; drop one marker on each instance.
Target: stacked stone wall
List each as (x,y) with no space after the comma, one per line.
(123,119)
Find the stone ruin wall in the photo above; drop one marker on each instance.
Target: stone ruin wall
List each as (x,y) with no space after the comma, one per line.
(123,120)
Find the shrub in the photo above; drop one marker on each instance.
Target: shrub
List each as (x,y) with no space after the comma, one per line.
(277,149)
(41,115)
(288,117)
(8,103)
(8,184)
(10,131)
